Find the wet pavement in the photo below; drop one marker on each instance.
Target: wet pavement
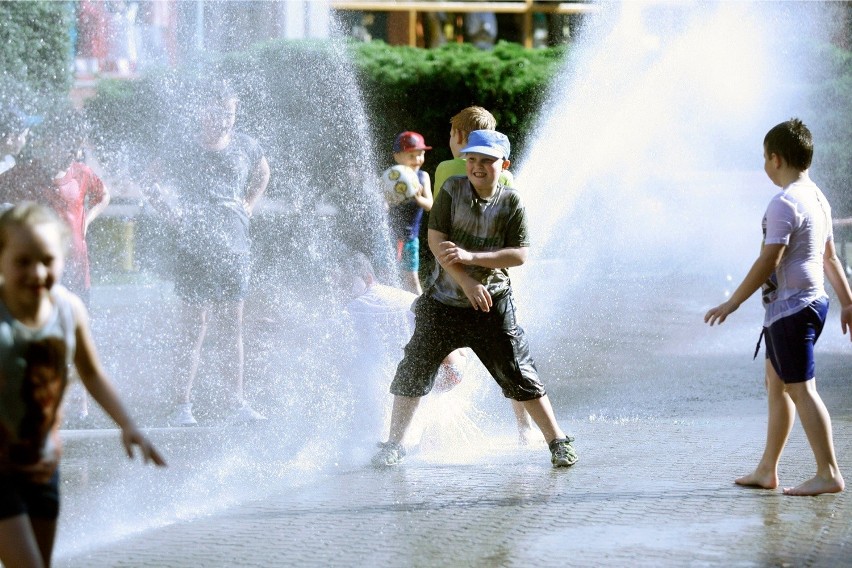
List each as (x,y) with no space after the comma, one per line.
(661,438)
(644,494)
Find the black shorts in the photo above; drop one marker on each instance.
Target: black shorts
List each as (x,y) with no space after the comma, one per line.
(790,342)
(202,280)
(20,496)
(494,336)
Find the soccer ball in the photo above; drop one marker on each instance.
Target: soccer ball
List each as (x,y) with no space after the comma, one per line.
(400,184)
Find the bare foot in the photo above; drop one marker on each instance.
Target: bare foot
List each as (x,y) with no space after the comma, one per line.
(817,486)
(756,479)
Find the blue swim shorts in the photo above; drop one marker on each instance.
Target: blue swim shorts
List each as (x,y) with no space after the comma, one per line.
(20,496)
(790,342)
(409,255)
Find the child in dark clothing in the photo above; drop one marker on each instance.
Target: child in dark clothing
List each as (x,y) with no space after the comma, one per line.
(477,231)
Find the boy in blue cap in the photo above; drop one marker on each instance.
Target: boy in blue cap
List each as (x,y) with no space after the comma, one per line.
(796,255)
(477,231)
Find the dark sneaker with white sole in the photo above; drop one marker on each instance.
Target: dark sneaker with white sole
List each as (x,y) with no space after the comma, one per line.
(562,453)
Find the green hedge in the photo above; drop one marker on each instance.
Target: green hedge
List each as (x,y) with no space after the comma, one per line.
(298,95)
(35,48)
(324,143)
(283,83)
(417,89)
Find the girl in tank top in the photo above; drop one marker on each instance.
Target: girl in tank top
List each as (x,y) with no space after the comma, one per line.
(43,330)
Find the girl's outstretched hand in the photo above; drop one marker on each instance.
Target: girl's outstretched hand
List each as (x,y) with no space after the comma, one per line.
(133,437)
(720,313)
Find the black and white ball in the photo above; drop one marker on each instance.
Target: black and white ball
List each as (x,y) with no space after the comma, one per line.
(400,184)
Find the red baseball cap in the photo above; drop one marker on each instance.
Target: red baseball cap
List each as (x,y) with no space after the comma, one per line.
(407,141)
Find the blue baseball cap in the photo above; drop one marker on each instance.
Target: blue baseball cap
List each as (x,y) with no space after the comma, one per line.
(488,142)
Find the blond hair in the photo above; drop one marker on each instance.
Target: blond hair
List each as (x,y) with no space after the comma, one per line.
(473,118)
(30,214)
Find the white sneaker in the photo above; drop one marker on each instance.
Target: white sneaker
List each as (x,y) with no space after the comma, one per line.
(245,414)
(182,415)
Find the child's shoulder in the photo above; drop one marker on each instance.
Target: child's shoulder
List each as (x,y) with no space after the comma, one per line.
(452,165)
(457,183)
(67,302)
(80,170)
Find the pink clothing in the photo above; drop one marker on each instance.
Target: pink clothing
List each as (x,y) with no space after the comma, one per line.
(92,29)
(71,197)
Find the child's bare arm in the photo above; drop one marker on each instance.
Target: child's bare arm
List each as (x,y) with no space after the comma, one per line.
(763,267)
(100,387)
(835,274)
(424,197)
(501,258)
(154,194)
(97,207)
(476,293)
(257,185)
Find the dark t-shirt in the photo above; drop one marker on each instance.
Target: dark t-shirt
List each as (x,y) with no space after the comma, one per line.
(405,218)
(477,224)
(211,186)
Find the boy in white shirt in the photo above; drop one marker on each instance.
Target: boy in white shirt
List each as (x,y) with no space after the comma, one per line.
(798,247)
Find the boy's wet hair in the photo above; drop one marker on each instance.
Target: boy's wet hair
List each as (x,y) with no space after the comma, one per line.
(30,214)
(216,92)
(792,141)
(473,118)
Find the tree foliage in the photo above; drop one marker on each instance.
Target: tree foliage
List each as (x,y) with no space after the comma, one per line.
(417,89)
(35,48)
(404,88)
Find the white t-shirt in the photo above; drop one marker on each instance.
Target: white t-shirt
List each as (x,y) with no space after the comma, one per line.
(800,218)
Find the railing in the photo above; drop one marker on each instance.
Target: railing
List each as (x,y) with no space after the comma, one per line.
(527,8)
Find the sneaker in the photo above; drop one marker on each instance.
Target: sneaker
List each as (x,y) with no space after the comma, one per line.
(245,414)
(390,454)
(562,452)
(182,415)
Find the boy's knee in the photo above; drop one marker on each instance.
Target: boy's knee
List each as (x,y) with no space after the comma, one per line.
(798,390)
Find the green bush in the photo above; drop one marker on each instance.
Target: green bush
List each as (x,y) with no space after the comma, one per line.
(408,88)
(324,143)
(35,48)
(283,85)
(298,95)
